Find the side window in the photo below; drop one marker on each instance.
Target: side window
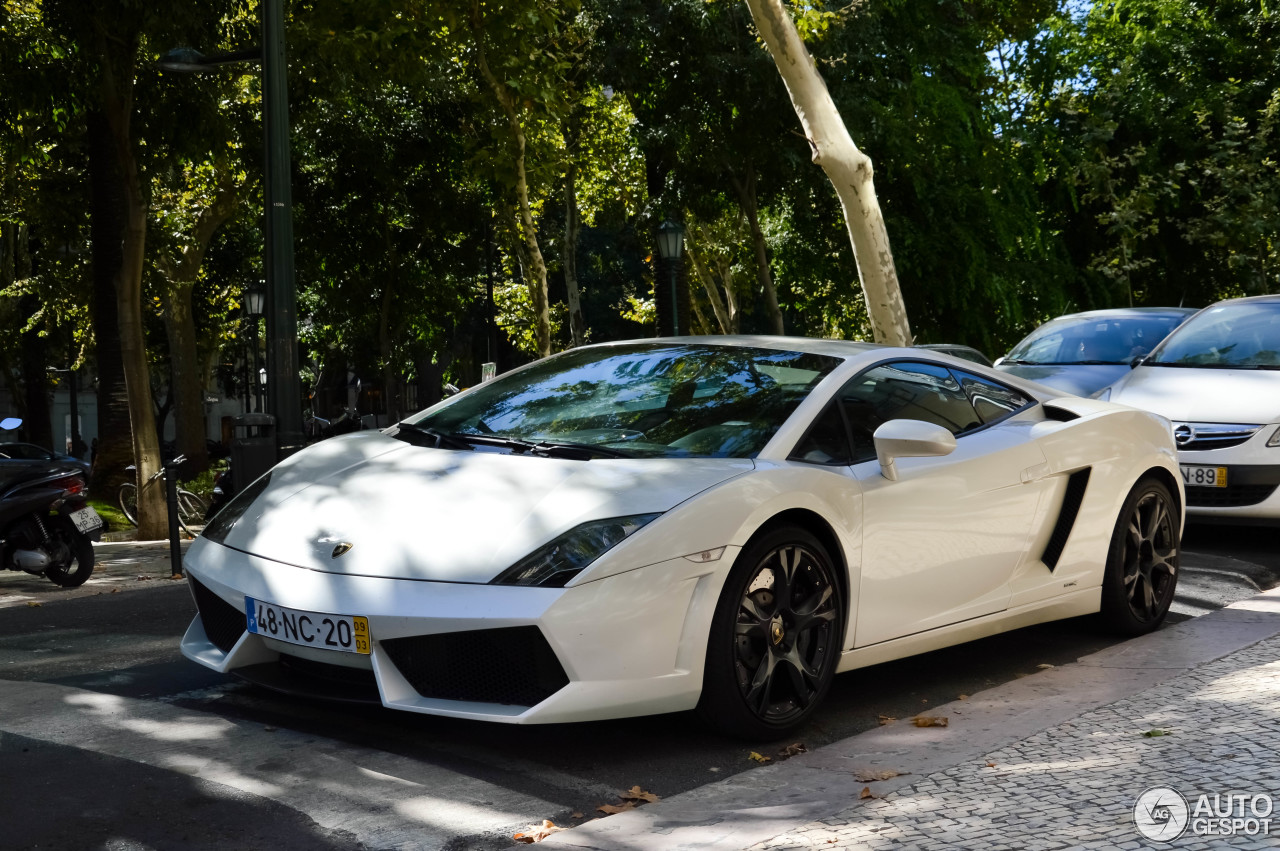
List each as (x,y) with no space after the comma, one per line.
(905,390)
(827,441)
(991,400)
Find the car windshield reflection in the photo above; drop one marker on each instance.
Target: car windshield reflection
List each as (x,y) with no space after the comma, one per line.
(642,400)
(1231,336)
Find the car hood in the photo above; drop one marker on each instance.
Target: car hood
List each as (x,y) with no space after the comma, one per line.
(1080,379)
(410,512)
(1202,395)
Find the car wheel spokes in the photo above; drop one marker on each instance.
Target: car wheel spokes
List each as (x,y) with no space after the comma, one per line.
(1150,557)
(784,632)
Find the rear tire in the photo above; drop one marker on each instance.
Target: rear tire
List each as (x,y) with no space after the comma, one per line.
(775,637)
(1142,562)
(78,551)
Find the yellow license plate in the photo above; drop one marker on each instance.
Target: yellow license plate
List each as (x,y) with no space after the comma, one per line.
(1198,476)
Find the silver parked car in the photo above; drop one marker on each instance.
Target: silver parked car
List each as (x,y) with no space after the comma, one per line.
(1217,378)
(1083,352)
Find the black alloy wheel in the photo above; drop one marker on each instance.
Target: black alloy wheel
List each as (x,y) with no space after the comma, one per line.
(775,637)
(1142,564)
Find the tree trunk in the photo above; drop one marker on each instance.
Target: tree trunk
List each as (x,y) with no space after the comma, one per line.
(572,222)
(746,190)
(709,285)
(848,169)
(113,448)
(187,377)
(538,292)
(117,89)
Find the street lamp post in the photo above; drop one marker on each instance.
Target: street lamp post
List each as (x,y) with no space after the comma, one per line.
(254,298)
(671,249)
(284,394)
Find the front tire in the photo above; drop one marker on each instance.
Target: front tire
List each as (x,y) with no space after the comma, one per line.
(775,637)
(75,555)
(1142,562)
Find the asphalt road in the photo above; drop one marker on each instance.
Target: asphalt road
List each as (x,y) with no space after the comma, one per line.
(123,645)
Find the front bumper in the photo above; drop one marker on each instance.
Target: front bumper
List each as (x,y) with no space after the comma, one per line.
(1253,480)
(630,644)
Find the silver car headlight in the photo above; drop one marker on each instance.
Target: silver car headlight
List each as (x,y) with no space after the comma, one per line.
(556,563)
(1275,439)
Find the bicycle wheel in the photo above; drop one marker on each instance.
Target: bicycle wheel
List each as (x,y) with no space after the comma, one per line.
(129,501)
(191,509)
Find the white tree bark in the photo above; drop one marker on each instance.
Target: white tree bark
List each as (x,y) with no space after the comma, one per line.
(848,169)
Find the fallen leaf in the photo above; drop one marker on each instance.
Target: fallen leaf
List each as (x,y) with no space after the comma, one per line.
(871,775)
(575,815)
(115,590)
(792,749)
(142,578)
(759,757)
(963,697)
(991,765)
(887,719)
(866,793)
(1150,734)
(32,604)
(929,721)
(612,809)
(537,832)
(635,793)
(1045,666)
(177,576)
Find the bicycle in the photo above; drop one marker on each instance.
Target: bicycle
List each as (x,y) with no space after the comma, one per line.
(191,508)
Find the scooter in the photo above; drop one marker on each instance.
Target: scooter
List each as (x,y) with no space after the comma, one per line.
(46,527)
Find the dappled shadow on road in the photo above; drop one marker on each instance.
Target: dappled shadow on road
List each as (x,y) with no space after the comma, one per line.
(72,799)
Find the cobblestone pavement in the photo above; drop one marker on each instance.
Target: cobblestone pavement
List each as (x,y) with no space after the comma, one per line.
(1214,731)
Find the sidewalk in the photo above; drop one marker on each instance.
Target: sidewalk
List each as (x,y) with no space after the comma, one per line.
(118,566)
(1056,760)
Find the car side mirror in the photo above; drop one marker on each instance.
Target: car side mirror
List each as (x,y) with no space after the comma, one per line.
(910,439)
(998,361)
(10,423)
(1137,360)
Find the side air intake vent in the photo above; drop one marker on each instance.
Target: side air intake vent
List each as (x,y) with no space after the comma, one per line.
(1062,415)
(1076,484)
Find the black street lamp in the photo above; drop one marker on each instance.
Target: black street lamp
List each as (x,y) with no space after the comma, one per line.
(284,391)
(254,304)
(671,249)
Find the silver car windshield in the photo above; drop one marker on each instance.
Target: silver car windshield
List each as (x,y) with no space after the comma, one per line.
(1229,336)
(647,399)
(1093,340)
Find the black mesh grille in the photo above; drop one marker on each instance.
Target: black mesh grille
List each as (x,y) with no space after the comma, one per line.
(514,666)
(1076,484)
(223,622)
(1232,496)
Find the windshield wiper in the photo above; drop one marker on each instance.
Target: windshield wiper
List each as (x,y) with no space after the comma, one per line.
(439,440)
(1021,362)
(580,451)
(515,444)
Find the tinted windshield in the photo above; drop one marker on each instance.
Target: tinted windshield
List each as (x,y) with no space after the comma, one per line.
(649,399)
(1082,339)
(1230,336)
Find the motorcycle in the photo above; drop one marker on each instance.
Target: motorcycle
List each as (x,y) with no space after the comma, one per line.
(46,526)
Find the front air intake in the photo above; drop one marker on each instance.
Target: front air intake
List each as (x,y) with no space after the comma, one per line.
(514,666)
(223,622)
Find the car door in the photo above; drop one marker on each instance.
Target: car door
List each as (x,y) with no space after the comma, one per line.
(940,543)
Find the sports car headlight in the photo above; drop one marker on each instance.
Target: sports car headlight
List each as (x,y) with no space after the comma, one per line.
(565,557)
(1275,439)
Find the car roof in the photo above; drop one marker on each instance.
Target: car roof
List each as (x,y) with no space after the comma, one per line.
(1252,299)
(1120,312)
(834,348)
